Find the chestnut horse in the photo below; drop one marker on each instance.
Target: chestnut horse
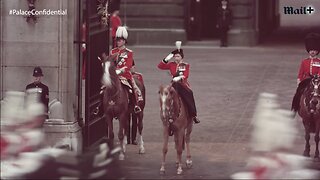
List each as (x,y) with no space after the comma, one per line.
(176,121)
(309,111)
(116,103)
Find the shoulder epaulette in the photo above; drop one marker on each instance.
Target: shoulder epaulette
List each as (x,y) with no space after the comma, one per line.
(129,50)
(112,50)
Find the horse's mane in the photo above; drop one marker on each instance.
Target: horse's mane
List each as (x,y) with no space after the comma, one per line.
(176,101)
(113,87)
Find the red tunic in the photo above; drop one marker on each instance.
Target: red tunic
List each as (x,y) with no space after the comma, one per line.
(124,60)
(177,70)
(309,66)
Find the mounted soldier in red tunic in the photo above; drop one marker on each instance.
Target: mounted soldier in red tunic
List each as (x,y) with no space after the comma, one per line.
(180,73)
(308,67)
(124,62)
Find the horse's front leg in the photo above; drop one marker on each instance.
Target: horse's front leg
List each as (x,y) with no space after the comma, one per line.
(122,134)
(164,149)
(316,139)
(179,148)
(307,139)
(109,121)
(188,134)
(129,129)
(140,128)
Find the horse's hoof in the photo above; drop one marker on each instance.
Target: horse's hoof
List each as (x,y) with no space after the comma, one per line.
(179,171)
(316,159)
(121,157)
(306,154)
(189,163)
(142,150)
(134,142)
(162,170)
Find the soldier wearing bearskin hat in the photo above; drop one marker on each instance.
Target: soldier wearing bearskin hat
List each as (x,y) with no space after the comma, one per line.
(308,67)
(179,71)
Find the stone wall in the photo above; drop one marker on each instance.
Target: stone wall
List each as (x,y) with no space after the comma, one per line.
(244,31)
(47,43)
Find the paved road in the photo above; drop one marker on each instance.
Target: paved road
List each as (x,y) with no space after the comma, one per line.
(226,84)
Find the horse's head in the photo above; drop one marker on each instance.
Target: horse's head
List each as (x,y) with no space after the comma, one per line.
(313,94)
(168,98)
(108,66)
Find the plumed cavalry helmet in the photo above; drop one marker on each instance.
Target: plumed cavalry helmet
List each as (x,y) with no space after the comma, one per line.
(312,42)
(122,33)
(178,50)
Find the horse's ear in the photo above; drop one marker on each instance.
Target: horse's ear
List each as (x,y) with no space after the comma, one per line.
(104,57)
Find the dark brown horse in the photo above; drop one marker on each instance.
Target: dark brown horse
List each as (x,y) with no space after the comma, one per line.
(117,103)
(310,113)
(137,118)
(176,121)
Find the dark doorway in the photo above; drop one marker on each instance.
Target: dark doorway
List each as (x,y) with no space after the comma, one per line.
(268,18)
(201,19)
(209,18)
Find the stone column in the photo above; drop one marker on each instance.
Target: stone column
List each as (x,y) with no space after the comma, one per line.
(244,30)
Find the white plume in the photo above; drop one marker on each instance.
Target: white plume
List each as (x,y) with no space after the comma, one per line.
(178,44)
(122,32)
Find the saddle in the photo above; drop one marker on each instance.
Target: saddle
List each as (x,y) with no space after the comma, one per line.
(125,82)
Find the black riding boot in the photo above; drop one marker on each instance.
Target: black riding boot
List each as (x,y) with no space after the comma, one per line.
(187,97)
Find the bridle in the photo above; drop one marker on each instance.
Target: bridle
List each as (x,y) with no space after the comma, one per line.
(314,97)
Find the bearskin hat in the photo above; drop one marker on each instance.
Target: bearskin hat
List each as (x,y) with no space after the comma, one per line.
(114,5)
(312,42)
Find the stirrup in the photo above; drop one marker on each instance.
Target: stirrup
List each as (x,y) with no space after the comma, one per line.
(140,99)
(137,109)
(196,120)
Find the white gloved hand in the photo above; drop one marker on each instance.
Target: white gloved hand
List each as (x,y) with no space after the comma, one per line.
(168,57)
(83,45)
(118,71)
(176,79)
